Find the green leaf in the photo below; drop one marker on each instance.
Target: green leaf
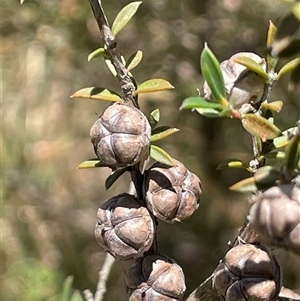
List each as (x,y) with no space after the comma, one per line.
(266,177)
(252,66)
(159,155)
(100,52)
(162,132)
(76,296)
(260,127)
(283,140)
(97,93)
(199,102)
(292,152)
(295,79)
(213,75)
(212,113)
(124,16)
(246,185)
(272,62)
(67,288)
(134,60)
(92,163)
(288,67)
(275,155)
(113,177)
(153,85)
(274,106)
(233,163)
(154,118)
(111,67)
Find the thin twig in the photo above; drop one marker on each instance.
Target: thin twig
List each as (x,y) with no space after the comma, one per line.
(103,275)
(127,85)
(88,296)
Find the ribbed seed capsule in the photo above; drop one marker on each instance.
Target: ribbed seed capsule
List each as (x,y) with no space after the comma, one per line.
(125,228)
(121,136)
(248,273)
(172,193)
(275,215)
(155,278)
(242,86)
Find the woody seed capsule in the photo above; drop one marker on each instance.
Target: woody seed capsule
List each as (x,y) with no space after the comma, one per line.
(155,278)
(275,215)
(125,228)
(248,273)
(172,193)
(121,136)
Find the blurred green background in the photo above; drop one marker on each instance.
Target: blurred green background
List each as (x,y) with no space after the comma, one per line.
(48,205)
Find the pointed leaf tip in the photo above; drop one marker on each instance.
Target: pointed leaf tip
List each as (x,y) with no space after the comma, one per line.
(159,155)
(213,75)
(124,16)
(96,93)
(153,85)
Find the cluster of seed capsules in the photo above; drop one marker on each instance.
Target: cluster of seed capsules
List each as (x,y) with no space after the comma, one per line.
(126,225)
(250,272)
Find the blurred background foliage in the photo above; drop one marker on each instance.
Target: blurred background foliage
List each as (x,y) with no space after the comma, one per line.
(48,206)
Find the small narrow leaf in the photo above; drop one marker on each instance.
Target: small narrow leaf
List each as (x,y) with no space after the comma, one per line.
(212,74)
(97,93)
(274,106)
(272,62)
(92,163)
(212,113)
(283,140)
(124,16)
(292,152)
(153,85)
(295,79)
(272,30)
(252,66)
(113,177)
(162,132)
(134,60)
(67,288)
(199,102)
(100,52)
(154,118)
(159,155)
(233,163)
(260,127)
(111,67)
(288,67)
(275,155)
(22,1)
(246,185)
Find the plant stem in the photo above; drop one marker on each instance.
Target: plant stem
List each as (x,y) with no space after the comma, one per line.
(127,85)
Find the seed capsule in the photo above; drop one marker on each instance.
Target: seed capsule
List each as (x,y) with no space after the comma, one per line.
(172,193)
(155,278)
(248,273)
(275,215)
(243,86)
(121,136)
(125,228)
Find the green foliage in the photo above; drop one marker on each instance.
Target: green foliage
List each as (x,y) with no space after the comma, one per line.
(213,75)
(159,155)
(97,94)
(162,132)
(114,176)
(153,85)
(124,16)
(253,66)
